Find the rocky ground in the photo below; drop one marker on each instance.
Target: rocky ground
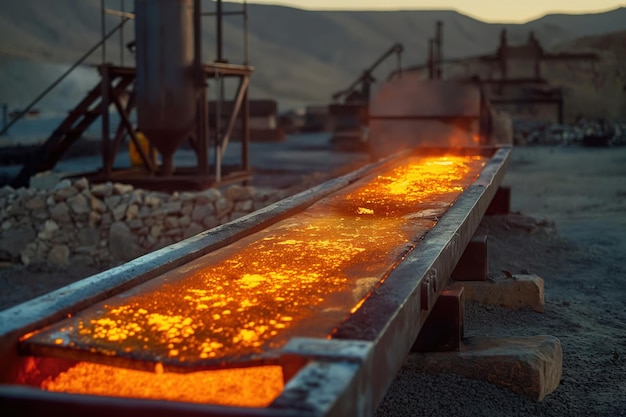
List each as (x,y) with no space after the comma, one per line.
(571,231)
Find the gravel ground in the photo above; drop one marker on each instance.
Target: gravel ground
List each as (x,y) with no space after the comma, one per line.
(580,251)
(571,232)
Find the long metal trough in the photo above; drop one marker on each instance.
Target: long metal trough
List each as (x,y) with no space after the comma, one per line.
(305,308)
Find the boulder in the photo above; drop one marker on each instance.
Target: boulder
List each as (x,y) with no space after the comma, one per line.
(60,213)
(122,243)
(41,214)
(13,241)
(102,190)
(208,196)
(97,205)
(223,206)
(35,203)
(184,221)
(112,201)
(119,212)
(172,207)
(94,218)
(187,197)
(152,200)
(171,222)
(49,227)
(239,193)
(132,212)
(245,206)
(202,211)
(65,193)
(59,256)
(81,184)
(78,204)
(120,189)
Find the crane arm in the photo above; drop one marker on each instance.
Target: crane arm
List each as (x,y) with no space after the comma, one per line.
(396,48)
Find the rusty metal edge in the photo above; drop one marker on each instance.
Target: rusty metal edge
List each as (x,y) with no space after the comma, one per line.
(27,401)
(393,315)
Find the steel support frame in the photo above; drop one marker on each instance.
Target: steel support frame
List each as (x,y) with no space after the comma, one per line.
(347,374)
(241,110)
(111,95)
(117,80)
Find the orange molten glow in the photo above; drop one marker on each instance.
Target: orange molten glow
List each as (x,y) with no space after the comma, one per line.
(299,277)
(245,387)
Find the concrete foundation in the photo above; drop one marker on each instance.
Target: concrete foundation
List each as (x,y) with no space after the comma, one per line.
(518,291)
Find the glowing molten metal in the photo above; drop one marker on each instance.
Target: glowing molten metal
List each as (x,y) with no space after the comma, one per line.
(300,277)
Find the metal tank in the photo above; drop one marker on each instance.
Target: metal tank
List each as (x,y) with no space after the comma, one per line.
(166,104)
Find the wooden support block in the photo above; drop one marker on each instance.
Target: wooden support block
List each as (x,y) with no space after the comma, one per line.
(444,327)
(519,291)
(531,366)
(501,203)
(473,265)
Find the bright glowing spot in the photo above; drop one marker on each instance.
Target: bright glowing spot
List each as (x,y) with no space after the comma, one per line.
(246,387)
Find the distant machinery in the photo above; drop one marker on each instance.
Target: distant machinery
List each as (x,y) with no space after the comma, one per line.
(169,91)
(509,79)
(349,111)
(518,76)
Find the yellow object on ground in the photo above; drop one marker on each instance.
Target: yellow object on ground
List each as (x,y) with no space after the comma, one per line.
(135,155)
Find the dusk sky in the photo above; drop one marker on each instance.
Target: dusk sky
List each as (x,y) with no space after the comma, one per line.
(487,10)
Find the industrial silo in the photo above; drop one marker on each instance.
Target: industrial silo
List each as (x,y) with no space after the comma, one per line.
(166,89)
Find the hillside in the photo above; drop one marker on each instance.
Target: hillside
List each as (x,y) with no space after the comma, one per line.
(301,57)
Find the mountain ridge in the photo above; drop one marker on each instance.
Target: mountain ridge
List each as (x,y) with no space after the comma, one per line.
(300,56)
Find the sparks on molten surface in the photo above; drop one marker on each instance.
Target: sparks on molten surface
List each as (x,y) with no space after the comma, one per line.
(244,387)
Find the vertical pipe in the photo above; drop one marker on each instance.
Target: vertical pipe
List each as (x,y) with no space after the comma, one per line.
(218,127)
(245,127)
(245,32)
(201,98)
(439,52)
(106,148)
(431,59)
(122,7)
(197,36)
(203,134)
(103,30)
(219,16)
(5,115)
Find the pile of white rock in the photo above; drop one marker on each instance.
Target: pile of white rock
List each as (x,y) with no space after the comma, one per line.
(585,132)
(82,224)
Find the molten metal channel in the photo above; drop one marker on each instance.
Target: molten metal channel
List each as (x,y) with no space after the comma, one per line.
(299,277)
(287,290)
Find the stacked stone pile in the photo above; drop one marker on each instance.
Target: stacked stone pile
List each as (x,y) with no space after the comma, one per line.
(83,224)
(599,132)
